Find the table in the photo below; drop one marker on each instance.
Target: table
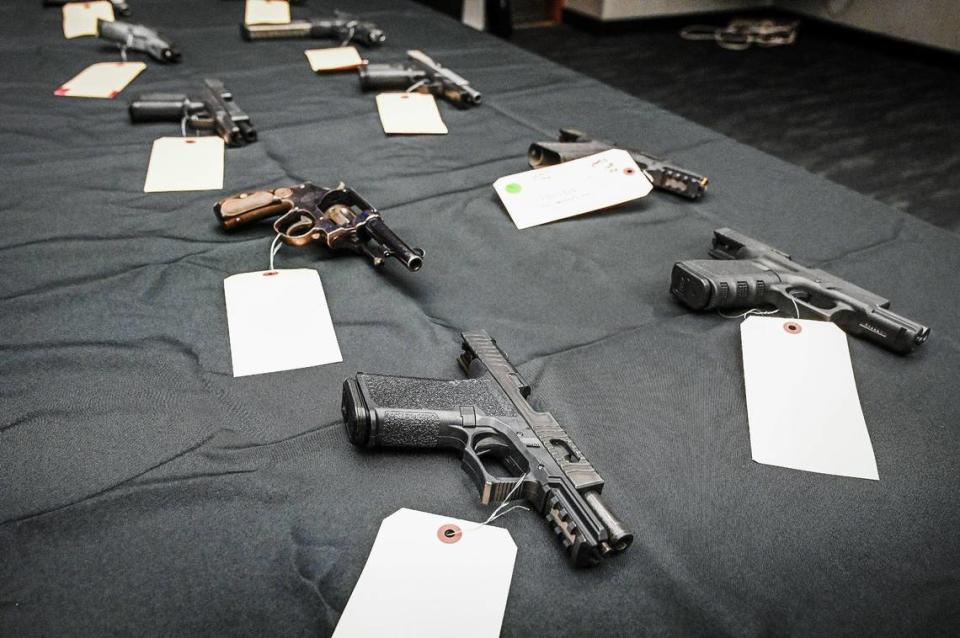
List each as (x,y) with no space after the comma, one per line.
(143,489)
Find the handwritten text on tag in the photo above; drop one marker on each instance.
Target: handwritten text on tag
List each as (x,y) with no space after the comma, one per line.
(591,183)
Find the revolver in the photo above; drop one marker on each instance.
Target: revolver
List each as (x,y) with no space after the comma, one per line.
(574,144)
(338,217)
(120,6)
(341,27)
(748,273)
(214,110)
(506,446)
(426,76)
(137,37)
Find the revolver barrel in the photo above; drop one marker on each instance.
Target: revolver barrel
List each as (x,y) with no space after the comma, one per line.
(392,246)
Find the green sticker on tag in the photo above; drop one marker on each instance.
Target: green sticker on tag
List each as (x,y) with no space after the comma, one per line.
(513,187)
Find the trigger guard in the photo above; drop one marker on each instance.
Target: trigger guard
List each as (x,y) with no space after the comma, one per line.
(294,220)
(492,489)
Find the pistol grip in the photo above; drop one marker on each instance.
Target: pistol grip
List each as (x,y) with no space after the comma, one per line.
(246,208)
(722,285)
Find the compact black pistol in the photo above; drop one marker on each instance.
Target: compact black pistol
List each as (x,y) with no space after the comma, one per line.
(486,418)
(746,273)
(339,218)
(213,110)
(424,76)
(119,6)
(137,37)
(574,144)
(343,28)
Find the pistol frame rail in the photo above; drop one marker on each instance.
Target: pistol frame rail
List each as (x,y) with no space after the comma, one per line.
(484,417)
(748,273)
(574,144)
(337,217)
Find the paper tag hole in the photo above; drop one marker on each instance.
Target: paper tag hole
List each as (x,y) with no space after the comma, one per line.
(629,171)
(271,273)
(449,533)
(190,141)
(793,327)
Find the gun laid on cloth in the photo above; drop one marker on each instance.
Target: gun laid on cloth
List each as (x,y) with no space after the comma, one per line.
(487,419)
(342,28)
(214,110)
(574,144)
(137,37)
(748,273)
(425,77)
(338,217)
(119,6)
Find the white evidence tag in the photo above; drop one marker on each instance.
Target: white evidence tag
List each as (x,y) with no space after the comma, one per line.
(572,188)
(185,164)
(80,18)
(431,576)
(101,80)
(256,301)
(802,402)
(410,114)
(333,59)
(266,12)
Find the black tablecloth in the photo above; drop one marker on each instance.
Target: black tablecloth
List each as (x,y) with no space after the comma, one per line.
(144,490)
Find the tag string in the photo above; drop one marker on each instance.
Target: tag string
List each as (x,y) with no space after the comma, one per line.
(761,313)
(416,85)
(274,247)
(500,511)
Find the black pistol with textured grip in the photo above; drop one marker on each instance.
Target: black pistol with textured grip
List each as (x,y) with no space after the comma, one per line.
(137,37)
(119,6)
(425,76)
(339,218)
(574,144)
(507,447)
(213,110)
(343,28)
(746,273)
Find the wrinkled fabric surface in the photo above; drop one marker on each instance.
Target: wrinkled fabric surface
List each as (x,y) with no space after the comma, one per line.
(144,490)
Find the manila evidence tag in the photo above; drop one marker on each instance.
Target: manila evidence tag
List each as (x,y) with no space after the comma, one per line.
(333,59)
(266,12)
(257,302)
(102,80)
(590,183)
(802,401)
(80,18)
(410,114)
(185,164)
(432,577)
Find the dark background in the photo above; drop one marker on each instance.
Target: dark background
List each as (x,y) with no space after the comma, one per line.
(143,489)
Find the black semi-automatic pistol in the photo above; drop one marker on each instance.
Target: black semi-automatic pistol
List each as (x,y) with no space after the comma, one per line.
(426,76)
(137,37)
(342,27)
(338,217)
(746,273)
(120,6)
(574,144)
(508,448)
(213,110)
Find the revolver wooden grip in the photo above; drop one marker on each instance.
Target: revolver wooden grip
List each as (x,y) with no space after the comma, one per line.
(245,208)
